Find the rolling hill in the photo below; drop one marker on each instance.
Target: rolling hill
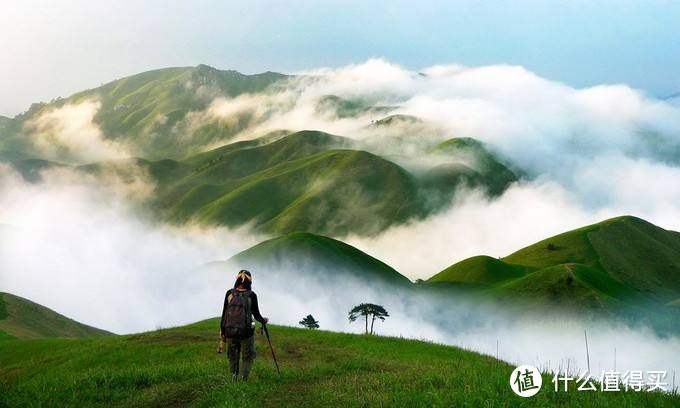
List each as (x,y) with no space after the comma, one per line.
(303,181)
(617,264)
(23,319)
(179,367)
(306,181)
(315,254)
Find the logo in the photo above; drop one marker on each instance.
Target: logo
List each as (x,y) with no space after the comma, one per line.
(526,381)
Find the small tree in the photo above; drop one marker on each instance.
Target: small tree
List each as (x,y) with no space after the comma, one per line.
(366,310)
(309,322)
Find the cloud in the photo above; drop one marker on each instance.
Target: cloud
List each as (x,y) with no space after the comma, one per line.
(476,225)
(71,240)
(69,133)
(68,241)
(588,153)
(543,126)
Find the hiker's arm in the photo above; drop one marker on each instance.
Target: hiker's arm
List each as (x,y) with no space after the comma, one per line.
(255,309)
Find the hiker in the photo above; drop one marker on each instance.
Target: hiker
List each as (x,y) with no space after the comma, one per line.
(240,306)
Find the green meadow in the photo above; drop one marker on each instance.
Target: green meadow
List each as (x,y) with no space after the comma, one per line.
(180,367)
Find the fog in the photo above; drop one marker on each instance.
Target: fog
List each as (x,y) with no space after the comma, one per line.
(86,247)
(83,250)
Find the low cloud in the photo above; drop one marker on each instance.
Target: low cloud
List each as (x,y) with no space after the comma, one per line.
(69,133)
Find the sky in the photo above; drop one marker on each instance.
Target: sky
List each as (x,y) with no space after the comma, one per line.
(55,48)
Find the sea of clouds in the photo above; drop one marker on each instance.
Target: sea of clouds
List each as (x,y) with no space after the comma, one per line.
(84,246)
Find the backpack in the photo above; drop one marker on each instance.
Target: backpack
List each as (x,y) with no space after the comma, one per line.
(238,318)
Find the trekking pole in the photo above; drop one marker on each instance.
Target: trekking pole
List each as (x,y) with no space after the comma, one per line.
(266,332)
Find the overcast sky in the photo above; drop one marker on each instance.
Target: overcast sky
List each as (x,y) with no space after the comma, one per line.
(53,48)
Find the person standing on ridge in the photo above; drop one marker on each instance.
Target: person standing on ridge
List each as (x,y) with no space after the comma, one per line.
(236,326)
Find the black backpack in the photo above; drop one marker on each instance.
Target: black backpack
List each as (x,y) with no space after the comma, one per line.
(238,318)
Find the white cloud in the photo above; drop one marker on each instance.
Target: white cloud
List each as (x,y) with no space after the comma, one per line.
(68,133)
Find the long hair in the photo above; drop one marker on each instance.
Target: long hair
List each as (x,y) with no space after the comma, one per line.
(243,280)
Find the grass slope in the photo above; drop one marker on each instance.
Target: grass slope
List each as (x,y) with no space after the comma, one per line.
(481,269)
(306,181)
(308,252)
(303,181)
(628,249)
(568,287)
(623,265)
(24,319)
(179,367)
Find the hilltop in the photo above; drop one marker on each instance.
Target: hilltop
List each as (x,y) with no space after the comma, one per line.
(24,319)
(179,367)
(309,253)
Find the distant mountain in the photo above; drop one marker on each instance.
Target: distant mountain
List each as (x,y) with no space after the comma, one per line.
(24,319)
(316,254)
(279,182)
(624,261)
(148,111)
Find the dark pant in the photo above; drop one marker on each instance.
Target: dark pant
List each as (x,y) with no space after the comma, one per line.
(234,349)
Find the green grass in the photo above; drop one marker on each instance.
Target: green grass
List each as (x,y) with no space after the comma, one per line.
(24,319)
(179,367)
(479,270)
(629,250)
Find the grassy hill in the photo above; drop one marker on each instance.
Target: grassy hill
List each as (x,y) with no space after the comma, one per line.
(612,266)
(317,255)
(149,111)
(301,181)
(628,249)
(479,270)
(24,319)
(179,367)
(308,180)
(304,181)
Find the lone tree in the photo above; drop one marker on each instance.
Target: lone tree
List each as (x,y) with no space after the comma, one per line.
(366,310)
(309,322)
